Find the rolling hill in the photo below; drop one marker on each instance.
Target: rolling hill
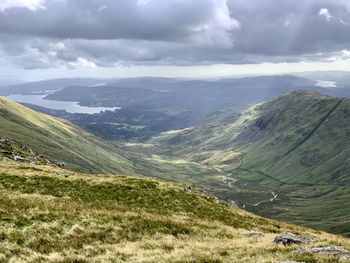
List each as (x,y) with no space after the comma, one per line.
(287,158)
(61,141)
(53,215)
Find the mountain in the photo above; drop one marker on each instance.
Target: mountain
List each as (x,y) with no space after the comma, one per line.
(338,81)
(6,88)
(208,95)
(9,82)
(61,141)
(287,158)
(50,214)
(153,105)
(340,77)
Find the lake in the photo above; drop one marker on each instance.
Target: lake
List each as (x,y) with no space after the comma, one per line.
(71,107)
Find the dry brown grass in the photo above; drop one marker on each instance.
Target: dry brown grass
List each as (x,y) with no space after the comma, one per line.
(45,225)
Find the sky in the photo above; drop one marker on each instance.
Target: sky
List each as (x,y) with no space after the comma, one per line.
(42,39)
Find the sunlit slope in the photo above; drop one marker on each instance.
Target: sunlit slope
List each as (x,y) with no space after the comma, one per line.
(47,217)
(60,140)
(296,146)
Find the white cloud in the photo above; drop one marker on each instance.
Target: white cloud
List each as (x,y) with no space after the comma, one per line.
(32,5)
(346,53)
(325,13)
(82,62)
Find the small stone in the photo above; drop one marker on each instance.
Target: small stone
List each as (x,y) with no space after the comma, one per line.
(66,175)
(255,234)
(61,164)
(18,158)
(344,259)
(330,250)
(188,189)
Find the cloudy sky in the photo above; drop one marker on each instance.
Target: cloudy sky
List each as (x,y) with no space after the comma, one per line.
(189,38)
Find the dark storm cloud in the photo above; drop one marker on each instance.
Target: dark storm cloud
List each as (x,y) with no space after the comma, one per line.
(52,33)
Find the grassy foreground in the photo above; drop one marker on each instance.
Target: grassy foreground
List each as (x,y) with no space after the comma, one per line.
(53,215)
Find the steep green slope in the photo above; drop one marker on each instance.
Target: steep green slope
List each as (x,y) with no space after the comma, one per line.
(60,140)
(296,147)
(47,217)
(304,138)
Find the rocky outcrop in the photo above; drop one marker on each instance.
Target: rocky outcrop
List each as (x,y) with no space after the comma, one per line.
(22,153)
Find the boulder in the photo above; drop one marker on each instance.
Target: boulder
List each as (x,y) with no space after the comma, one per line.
(290,239)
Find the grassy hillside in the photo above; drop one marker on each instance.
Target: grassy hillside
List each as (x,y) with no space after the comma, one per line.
(55,215)
(295,146)
(60,140)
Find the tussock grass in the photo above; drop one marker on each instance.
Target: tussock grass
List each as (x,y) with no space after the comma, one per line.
(87,218)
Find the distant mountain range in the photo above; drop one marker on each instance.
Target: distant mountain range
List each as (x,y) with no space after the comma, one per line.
(153,105)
